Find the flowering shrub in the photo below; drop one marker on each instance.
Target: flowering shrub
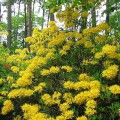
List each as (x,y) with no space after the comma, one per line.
(64,76)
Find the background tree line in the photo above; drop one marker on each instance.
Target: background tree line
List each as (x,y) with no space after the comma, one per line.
(20,24)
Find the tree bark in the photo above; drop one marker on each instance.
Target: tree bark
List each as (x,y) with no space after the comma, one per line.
(83,20)
(52,17)
(43,14)
(9,25)
(93,11)
(107,12)
(0,13)
(25,21)
(29,18)
(29,30)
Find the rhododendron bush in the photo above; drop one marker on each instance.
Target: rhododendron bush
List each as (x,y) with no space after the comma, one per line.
(66,75)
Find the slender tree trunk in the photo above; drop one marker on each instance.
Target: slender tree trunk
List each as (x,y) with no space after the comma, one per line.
(18,16)
(43,14)
(29,18)
(0,13)
(107,12)
(0,20)
(25,21)
(83,21)
(33,6)
(93,13)
(48,17)
(51,16)
(9,22)
(29,11)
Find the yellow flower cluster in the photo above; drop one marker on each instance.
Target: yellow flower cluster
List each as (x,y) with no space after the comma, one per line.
(30,111)
(68,16)
(53,69)
(15,69)
(40,73)
(85,77)
(100,39)
(4,33)
(10,79)
(97,29)
(82,118)
(114,89)
(54,9)
(40,87)
(90,107)
(51,100)
(22,92)
(110,72)
(67,68)
(8,106)
(84,14)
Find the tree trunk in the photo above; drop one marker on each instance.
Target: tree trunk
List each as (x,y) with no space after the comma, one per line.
(93,13)
(29,18)
(0,13)
(107,12)
(0,20)
(18,16)
(48,17)
(9,23)
(25,21)
(51,16)
(83,20)
(29,11)
(33,6)
(43,14)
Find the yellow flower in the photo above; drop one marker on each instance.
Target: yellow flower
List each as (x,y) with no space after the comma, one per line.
(67,68)
(94,93)
(111,72)
(8,106)
(52,23)
(64,106)
(4,93)
(88,44)
(82,118)
(10,79)
(68,97)
(68,85)
(84,14)
(1,80)
(54,69)
(47,99)
(91,104)
(84,77)
(66,47)
(60,118)
(35,31)
(109,49)
(62,52)
(4,33)
(95,84)
(98,55)
(22,92)
(45,72)
(81,85)
(68,114)
(50,55)
(15,69)
(114,89)
(90,111)
(18,117)
(30,110)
